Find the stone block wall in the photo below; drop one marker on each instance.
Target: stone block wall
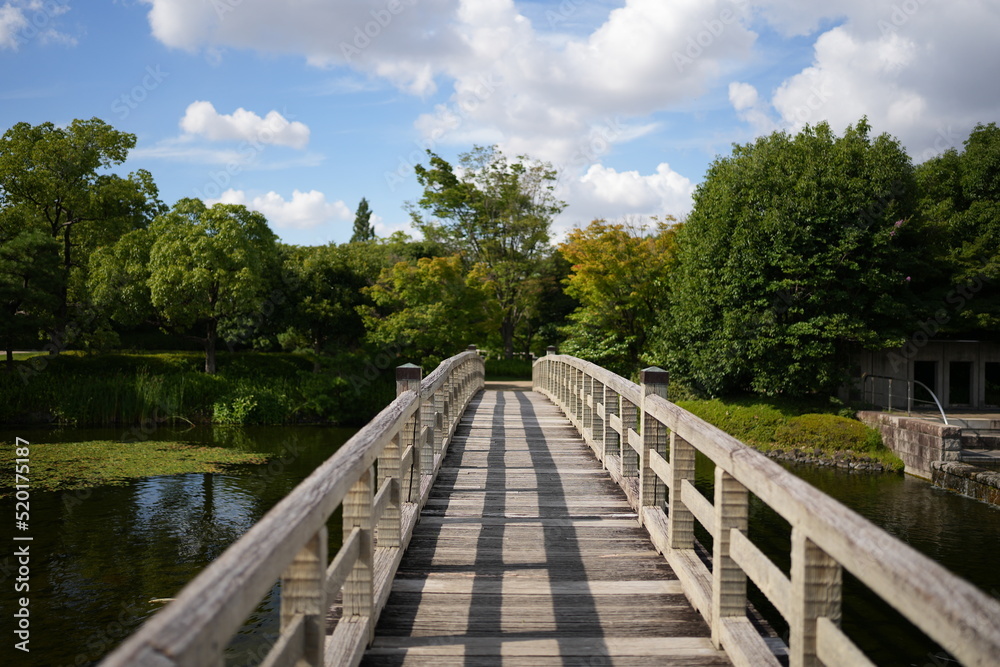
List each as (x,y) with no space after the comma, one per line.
(917,441)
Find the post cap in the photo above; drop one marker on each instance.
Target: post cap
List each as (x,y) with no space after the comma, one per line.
(551,349)
(654,375)
(408,372)
(471,348)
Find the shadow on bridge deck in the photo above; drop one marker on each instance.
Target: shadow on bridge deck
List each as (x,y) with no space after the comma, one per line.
(528,553)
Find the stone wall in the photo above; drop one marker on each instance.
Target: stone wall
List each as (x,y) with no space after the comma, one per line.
(968,480)
(917,441)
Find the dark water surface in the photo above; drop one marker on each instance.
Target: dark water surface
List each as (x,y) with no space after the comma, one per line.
(960,533)
(100,557)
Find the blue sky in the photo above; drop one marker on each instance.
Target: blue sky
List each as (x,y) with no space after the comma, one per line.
(300,108)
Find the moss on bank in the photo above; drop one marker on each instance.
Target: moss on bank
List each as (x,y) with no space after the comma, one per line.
(78,465)
(799,430)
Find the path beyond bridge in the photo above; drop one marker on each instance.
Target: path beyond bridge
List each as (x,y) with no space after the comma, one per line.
(532,550)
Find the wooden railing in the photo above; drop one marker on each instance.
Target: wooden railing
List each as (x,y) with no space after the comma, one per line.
(648,444)
(408,440)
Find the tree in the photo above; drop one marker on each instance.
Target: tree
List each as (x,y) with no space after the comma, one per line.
(620,275)
(60,174)
(194,267)
(497,215)
(794,254)
(427,307)
(960,199)
(29,280)
(322,311)
(363,230)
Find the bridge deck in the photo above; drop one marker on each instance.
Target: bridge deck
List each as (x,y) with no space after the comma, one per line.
(528,553)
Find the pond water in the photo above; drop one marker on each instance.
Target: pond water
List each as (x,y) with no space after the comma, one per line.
(101,558)
(960,533)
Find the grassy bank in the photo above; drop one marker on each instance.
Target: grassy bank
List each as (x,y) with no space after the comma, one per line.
(249,388)
(78,465)
(797,429)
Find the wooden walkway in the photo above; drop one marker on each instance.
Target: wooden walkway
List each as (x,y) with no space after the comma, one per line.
(528,553)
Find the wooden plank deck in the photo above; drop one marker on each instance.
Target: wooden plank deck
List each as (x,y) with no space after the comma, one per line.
(527,553)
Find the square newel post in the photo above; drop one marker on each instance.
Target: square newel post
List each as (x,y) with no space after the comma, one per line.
(408,377)
(729,582)
(587,418)
(609,440)
(680,521)
(303,591)
(652,491)
(816,592)
(630,420)
(358,588)
(550,376)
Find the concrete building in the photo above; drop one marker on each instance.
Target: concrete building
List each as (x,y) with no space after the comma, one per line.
(962,374)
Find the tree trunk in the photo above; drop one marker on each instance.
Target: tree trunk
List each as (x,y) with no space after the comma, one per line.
(507,334)
(211,335)
(317,347)
(10,359)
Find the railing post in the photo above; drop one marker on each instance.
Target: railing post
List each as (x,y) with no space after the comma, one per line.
(597,417)
(729,583)
(629,457)
(587,420)
(303,592)
(408,378)
(358,590)
(578,398)
(680,521)
(652,491)
(816,588)
(609,438)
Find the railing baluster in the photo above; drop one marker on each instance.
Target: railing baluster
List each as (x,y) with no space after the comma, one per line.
(680,520)
(816,592)
(729,583)
(652,491)
(630,458)
(610,437)
(358,591)
(303,592)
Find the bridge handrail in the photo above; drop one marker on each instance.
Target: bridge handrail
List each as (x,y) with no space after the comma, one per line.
(909,394)
(408,439)
(626,425)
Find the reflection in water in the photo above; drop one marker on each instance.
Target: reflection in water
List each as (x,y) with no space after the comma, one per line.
(99,556)
(958,532)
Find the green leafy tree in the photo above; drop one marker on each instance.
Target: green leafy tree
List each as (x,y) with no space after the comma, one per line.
(29,280)
(195,267)
(363,229)
(322,312)
(497,214)
(61,175)
(428,308)
(794,254)
(960,197)
(620,275)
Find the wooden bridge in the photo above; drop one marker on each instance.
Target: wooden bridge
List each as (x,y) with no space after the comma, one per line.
(551,527)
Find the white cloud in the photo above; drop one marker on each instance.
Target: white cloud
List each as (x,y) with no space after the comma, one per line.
(202,119)
(604,192)
(12,21)
(742,95)
(305,210)
(509,81)
(918,70)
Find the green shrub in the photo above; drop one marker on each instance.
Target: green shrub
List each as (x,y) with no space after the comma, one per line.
(827,432)
(508,369)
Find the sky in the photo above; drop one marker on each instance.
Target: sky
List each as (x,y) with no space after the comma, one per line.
(299,108)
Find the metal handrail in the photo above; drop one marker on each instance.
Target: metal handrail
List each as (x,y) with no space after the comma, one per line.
(909,394)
